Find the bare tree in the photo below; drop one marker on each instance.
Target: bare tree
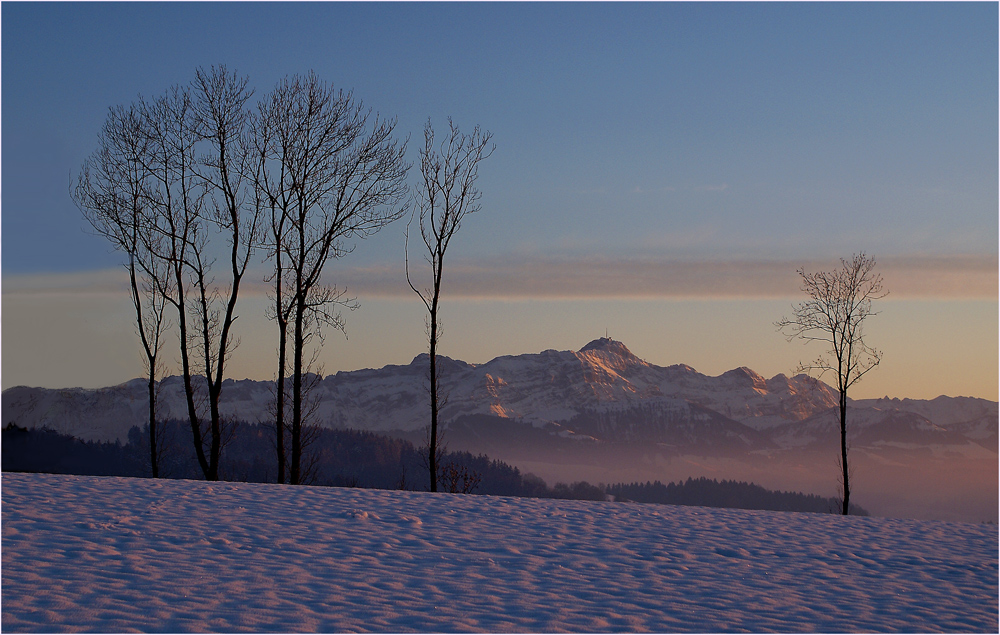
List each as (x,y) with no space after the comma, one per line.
(174,226)
(273,193)
(329,172)
(220,123)
(111,193)
(459,479)
(445,196)
(185,182)
(839,303)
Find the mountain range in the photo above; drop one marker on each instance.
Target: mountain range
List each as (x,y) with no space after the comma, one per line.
(601,394)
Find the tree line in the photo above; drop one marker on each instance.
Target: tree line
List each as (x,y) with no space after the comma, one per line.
(341,458)
(195,184)
(733,494)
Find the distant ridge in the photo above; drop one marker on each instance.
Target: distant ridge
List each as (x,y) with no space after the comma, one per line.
(602,392)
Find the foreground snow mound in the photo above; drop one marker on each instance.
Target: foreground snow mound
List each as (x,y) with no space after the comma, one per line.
(114,554)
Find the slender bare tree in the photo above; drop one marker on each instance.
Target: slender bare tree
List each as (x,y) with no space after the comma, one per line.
(839,303)
(446,195)
(175,229)
(269,178)
(111,193)
(329,172)
(220,123)
(185,158)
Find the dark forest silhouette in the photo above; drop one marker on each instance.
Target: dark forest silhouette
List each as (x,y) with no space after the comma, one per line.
(738,495)
(351,458)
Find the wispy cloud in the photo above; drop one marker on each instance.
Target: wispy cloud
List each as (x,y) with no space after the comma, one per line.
(906,277)
(110,281)
(941,276)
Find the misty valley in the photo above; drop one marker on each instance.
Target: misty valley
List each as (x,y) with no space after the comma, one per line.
(347,458)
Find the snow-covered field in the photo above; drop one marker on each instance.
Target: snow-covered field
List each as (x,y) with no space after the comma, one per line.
(113,554)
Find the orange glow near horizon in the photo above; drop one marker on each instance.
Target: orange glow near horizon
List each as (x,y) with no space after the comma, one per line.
(932,347)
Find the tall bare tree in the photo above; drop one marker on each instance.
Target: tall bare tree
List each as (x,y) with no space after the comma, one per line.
(220,122)
(446,195)
(839,303)
(273,194)
(111,193)
(330,172)
(186,163)
(175,228)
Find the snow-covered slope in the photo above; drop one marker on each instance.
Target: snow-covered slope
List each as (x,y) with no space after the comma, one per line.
(114,555)
(604,380)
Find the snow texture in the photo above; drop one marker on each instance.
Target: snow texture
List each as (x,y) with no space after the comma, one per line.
(114,554)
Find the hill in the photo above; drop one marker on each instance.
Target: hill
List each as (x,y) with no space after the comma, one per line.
(118,554)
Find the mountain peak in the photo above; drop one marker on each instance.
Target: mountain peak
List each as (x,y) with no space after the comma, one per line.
(746,376)
(609,345)
(610,351)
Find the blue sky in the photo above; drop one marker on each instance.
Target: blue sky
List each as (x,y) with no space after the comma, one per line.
(628,135)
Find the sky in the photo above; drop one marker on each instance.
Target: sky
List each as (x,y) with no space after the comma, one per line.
(661,171)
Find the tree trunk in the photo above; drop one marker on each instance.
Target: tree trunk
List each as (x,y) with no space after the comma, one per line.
(152,425)
(432,459)
(280,399)
(151,352)
(216,447)
(282,319)
(298,344)
(215,387)
(843,450)
(213,400)
(188,388)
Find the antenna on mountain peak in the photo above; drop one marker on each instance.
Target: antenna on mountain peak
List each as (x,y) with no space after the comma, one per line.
(606,333)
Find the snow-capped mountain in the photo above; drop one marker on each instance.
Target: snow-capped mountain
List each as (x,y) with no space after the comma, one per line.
(602,391)
(555,386)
